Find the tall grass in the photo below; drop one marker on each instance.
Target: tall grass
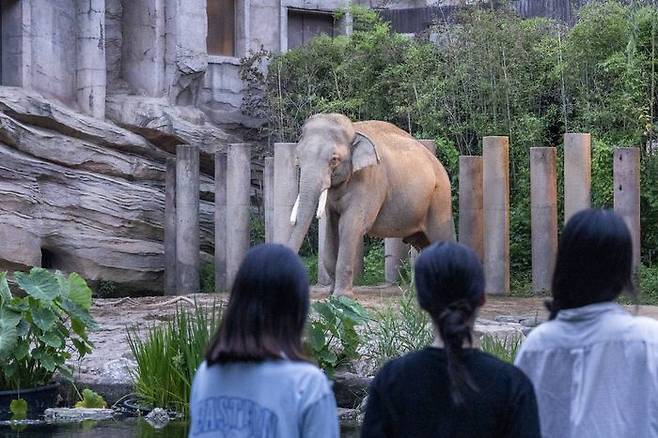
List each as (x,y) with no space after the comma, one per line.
(504,348)
(168,355)
(398,329)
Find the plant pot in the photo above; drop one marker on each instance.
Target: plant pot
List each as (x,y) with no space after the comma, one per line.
(38,399)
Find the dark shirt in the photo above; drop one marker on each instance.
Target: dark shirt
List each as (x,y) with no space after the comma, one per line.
(410,397)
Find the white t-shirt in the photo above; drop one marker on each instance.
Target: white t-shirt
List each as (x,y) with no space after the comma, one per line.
(270,399)
(595,373)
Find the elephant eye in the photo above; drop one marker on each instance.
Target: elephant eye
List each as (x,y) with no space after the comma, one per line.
(334,161)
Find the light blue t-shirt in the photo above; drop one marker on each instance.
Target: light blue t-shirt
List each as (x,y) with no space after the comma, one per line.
(272,399)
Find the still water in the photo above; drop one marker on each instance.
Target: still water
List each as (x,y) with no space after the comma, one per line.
(126,427)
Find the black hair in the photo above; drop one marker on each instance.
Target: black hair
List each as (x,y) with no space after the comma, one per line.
(450,287)
(267,309)
(594,261)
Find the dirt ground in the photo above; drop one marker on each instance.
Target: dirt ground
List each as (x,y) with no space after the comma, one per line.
(108,368)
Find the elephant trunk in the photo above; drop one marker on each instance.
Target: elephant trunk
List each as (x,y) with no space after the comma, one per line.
(311,192)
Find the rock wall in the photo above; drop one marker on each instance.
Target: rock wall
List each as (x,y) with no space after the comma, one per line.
(79,194)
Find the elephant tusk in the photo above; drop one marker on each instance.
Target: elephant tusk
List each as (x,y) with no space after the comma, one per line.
(322,204)
(293,213)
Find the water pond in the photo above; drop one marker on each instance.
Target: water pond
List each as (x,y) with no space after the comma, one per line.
(131,427)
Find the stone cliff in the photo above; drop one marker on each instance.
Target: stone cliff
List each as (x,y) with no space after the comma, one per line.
(85,195)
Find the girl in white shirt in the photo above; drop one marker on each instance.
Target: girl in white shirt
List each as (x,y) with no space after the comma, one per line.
(594,366)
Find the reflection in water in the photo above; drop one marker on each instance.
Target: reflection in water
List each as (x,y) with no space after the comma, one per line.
(123,428)
(127,427)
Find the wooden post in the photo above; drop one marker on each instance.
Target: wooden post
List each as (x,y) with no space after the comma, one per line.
(627,194)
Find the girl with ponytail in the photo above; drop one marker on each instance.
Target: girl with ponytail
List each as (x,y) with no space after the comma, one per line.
(450,389)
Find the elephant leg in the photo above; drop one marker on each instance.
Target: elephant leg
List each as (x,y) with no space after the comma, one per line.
(440,224)
(350,232)
(331,248)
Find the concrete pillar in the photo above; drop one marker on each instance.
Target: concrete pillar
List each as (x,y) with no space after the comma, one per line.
(238,187)
(91,70)
(395,254)
(286,188)
(471,214)
(495,157)
(221,284)
(268,198)
(543,202)
(627,193)
(323,275)
(170,229)
(187,219)
(577,173)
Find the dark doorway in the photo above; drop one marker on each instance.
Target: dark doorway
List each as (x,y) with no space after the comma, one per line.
(221,27)
(48,259)
(304,25)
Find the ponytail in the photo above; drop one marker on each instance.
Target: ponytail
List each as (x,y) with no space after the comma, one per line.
(454,328)
(450,287)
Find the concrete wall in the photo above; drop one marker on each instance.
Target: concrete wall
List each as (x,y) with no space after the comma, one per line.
(13,42)
(143,60)
(53,36)
(113,43)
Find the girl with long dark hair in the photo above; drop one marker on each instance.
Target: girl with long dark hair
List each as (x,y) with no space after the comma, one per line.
(255,381)
(594,366)
(450,389)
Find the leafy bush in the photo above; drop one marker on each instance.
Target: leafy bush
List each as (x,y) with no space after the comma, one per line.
(504,348)
(648,285)
(492,74)
(373,263)
(38,332)
(168,355)
(331,335)
(399,329)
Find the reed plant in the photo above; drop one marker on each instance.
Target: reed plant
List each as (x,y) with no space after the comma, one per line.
(169,354)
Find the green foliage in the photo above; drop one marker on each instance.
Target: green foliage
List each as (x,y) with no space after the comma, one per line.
(207,278)
(18,409)
(373,263)
(332,337)
(168,355)
(504,348)
(39,331)
(493,74)
(648,285)
(91,400)
(398,329)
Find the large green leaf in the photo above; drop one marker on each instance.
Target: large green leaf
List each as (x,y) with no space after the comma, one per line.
(44,318)
(21,350)
(316,338)
(39,283)
(8,338)
(52,340)
(77,312)
(5,293)
(79,292)
(18,408)
(9,318)
(45,359)
(82,346)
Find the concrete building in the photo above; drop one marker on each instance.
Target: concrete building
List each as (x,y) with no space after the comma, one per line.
(84,52)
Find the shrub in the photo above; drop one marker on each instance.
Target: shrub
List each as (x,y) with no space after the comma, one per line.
(168,356)
(39,331)
(493,74)
(332,338)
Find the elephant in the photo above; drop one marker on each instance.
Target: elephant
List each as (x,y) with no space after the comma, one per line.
(370,178)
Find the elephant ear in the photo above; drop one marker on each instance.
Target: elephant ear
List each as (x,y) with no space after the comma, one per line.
(364,153)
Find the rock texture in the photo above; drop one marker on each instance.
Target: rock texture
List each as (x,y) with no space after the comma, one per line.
(85,195)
